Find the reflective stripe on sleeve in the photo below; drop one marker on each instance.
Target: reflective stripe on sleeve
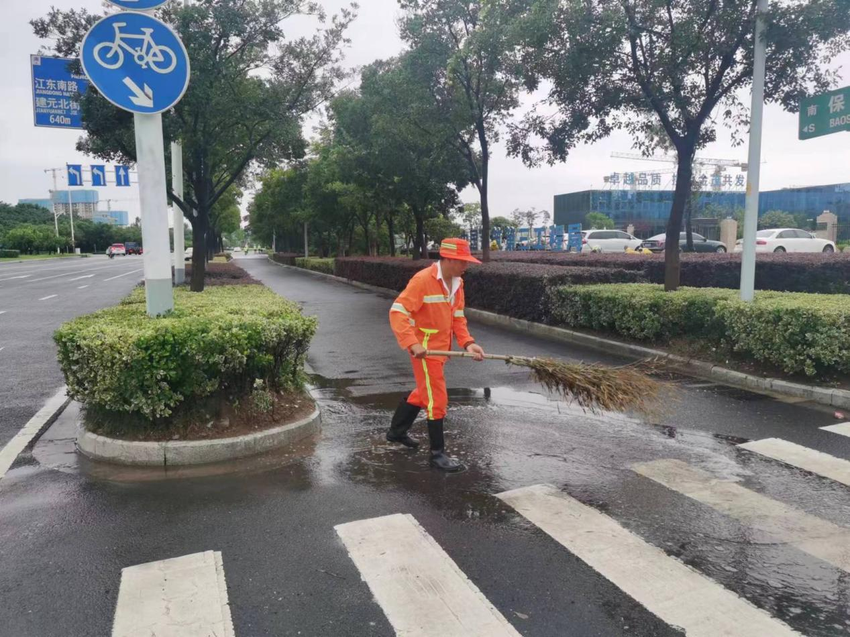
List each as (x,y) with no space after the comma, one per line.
(436,298)
(459,314)
(398,307)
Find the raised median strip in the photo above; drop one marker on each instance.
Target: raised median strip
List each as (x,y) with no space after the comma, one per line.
(195,452)
(691,366)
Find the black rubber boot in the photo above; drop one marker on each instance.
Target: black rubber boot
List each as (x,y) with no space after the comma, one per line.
(439,459)
(402,421)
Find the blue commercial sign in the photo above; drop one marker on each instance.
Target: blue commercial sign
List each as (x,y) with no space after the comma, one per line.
(136,62)
(56,92)
(122,176)
(574,237)
(75,175)
(98,175)
(138,5)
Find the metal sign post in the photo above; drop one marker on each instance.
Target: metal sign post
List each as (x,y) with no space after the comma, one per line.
(139,64)
(177,213)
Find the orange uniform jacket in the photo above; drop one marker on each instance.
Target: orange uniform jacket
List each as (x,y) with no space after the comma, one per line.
(423,314)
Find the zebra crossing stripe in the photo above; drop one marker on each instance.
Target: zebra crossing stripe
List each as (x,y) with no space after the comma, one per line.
(801,457)
(842,430)
(421,590)
(819,538)
(666,587)
(180,597)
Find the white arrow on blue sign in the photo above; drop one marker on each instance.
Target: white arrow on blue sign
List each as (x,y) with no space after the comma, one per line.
(138,5)
(75,174)
(122,176)
(136,62)
(98,175)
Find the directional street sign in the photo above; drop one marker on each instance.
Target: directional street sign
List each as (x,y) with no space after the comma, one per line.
(136,62)
(98,175)
(138,5)
(56,92)
(75,175)
(122,176)
(825,114)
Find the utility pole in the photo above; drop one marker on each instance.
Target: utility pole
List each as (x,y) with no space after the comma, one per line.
(306,243)
(53,201)
(751,217)
(71,215)
(177,213)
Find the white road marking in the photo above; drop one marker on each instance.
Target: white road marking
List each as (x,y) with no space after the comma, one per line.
(85,276)
(82,287)
(819,538)
(125,274)
(420,589)
(70,273)
(46,298)
(31,430)
(3,311)
(12,278)
(842,430)
(666,587)
(822,464)
(181,597)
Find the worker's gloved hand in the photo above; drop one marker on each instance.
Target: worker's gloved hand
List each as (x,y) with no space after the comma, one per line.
(417,351)
(477,351)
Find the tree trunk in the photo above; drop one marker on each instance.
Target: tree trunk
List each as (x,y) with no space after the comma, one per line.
(391,230)
(484,192)
(672,260)
(199,261)
(420,246)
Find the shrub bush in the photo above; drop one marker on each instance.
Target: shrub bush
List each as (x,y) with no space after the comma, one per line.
(221,340)
(285,258)
(223,274)
(808,333)
(316,264)
(9,254)
(515,289)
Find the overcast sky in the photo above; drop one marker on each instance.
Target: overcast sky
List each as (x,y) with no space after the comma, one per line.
(26,151)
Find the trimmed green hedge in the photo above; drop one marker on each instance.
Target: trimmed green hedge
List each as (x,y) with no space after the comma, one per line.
(316,264)
(9,254)
(796,332)
(221,340)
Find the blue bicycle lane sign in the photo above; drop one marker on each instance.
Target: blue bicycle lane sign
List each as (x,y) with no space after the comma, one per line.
(136,62)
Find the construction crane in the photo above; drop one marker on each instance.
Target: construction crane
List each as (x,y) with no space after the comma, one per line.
(703,161)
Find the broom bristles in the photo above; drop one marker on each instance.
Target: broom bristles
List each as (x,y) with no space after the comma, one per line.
(596,387)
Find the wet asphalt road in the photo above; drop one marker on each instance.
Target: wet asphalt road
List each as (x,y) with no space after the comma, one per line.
(68,527)
(36,297)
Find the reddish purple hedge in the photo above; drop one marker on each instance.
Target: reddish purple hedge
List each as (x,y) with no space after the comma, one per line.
(223,274)
(514,289)
(286,258)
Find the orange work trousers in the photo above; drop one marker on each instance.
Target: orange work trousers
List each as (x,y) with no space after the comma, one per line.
(430,393)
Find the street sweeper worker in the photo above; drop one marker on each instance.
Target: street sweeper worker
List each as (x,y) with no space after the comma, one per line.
(425,317)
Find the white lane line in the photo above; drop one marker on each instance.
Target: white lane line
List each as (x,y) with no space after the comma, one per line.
(46,298)
(125,274)
(842,430)
(82,287)
(801,457)
(819,538)
(3,311)
(85,276)
(183,596)
(71,273)
(31,430)
(420,589)
(12,278)
(666,587)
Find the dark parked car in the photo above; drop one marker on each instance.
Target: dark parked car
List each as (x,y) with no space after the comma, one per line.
(133,248)
(701,244)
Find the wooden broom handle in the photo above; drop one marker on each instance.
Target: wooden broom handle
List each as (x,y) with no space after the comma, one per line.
(492,357)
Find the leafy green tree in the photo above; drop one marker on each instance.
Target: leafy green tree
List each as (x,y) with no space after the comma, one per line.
(441,228)
(232,117)
(501,224)
(464,52)
(777,219)
(669,72)
(275,214)
(598,221)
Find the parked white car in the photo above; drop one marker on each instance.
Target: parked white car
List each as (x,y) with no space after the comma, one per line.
(788,240)
(607,241)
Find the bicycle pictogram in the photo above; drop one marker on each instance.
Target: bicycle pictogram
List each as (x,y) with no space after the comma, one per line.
(110,55)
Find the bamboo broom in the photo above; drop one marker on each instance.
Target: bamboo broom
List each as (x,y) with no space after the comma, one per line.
(592,387)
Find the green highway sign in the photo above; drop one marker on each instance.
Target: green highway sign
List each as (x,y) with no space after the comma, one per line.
(825,114)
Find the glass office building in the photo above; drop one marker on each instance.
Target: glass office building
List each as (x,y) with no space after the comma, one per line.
(648,210)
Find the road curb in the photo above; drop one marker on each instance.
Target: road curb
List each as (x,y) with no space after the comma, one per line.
(184,453)
(692,366)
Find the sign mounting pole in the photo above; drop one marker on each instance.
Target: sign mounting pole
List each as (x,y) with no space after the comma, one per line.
(140,65)
(177,213)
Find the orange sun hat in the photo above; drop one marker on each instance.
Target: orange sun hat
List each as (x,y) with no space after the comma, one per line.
(457,249)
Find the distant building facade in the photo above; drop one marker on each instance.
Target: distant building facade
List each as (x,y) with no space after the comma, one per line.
(85,205)
(648,210)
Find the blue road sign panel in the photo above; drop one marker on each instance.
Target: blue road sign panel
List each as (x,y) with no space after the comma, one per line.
(136,62)
(122,176)
(56,92)
(98,175)
(574,237)
(139,5)
(75,174)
